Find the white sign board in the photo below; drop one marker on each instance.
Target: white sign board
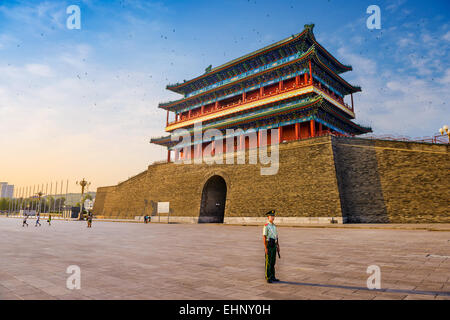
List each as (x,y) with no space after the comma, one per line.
(88,204)
(163,207)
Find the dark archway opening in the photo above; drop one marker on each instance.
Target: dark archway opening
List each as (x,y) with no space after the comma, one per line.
(214,195)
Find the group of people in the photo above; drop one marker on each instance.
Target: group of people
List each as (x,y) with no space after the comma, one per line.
(146,218)
(49,220)
(38,219)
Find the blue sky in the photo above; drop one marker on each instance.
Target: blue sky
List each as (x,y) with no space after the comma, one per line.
(84,102)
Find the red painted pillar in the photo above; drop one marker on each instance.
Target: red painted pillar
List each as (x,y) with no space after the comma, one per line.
(260,141)
(280,134)
(257,139)
(312,128)
(310,73)
(189,114)
(216,105)
(305,78)
(261,91)
(176,116)
(167,118)
(244,96)
(297,80)
(280,85)
(297,131)
(202,109)
(168,155)
(320,127)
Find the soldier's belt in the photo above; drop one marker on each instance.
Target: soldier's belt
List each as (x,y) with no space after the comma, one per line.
(271,242)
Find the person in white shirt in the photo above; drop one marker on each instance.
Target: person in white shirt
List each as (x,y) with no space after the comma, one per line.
(271,246)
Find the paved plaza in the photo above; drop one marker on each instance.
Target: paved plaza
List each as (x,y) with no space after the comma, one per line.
(211,261)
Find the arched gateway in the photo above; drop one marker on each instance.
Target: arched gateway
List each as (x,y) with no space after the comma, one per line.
(214,194)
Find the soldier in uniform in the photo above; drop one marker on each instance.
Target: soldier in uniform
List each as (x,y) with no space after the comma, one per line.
(271,246)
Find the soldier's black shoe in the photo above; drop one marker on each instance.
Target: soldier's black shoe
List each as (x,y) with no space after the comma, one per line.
(275,279)
(269,281)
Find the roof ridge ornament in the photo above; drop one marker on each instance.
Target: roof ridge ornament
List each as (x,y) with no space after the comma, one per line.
(310,27)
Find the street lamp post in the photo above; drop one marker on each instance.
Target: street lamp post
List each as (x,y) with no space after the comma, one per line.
(83,183)
(444,130)
(39,195)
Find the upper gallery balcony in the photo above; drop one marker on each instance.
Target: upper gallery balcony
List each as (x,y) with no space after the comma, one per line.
(260,94)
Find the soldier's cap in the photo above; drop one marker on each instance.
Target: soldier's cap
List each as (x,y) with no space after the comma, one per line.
(270,213)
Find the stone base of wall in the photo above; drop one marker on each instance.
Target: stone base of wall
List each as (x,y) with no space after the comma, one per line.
(291,221)
(178,219)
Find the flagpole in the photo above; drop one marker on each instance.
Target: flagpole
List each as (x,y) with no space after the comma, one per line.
(50,200)
(60,198)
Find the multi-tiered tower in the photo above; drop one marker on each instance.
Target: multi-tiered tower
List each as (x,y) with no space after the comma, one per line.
(293,85)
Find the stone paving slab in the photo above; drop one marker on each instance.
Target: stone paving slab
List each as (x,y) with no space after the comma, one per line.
(212,261)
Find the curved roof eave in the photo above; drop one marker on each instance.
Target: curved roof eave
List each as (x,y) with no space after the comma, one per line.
(308,30)
(311,50)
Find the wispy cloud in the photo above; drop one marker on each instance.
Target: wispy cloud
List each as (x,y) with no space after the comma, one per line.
(394,5)
(7,40)
(42,16)
(446,36)
(104,115)
(40,70)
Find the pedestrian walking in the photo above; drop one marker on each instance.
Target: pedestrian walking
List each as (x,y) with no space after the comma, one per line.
(38,217)
(25,217)
(89,220)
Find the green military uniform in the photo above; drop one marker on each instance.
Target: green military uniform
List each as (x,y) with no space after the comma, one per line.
(270,231)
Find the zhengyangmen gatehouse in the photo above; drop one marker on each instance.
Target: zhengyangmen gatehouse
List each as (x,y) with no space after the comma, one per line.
(325,173)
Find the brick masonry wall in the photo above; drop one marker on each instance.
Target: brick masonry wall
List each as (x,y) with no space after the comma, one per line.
(357,180)
(305,186)
(124,200)
(391,181)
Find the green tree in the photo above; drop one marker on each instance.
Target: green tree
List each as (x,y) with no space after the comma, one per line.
(4,204)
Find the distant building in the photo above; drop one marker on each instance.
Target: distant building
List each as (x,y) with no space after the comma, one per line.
(6,190)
